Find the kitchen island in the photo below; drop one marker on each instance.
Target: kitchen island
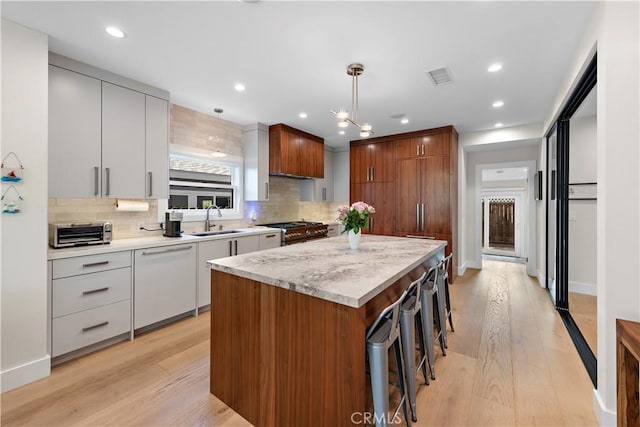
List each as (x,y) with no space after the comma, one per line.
(288,325)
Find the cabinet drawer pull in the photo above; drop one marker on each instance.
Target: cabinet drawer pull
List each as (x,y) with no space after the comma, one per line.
(150,184)
(98,325)
(95,264)
(421,216)
(373,175)
(266,190)
(423,150)
(95,291)
(230,248)
(412,236)
(324,194)
(269,236)
(236,245)
(417,216)
(417,150)
(182,248)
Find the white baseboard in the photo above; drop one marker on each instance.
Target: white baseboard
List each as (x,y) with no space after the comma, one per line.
(24,374)
(461,269)
(473,264)
(541,279)
(583,288)
(604,416)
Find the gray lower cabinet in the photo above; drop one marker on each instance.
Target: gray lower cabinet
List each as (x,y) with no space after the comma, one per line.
(220,248)
(90,300)
(165,283)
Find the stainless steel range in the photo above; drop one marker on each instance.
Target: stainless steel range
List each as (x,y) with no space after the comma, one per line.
(300,231)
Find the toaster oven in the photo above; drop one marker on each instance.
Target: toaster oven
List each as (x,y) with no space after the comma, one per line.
(68,235)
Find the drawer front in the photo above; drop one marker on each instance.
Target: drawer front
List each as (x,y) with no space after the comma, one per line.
(79,293)
(89,327)
(271,240)
(90,264)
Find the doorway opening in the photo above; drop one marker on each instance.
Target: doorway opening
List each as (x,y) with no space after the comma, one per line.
(505,215)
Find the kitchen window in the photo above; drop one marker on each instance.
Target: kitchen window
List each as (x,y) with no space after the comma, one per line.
(197,180)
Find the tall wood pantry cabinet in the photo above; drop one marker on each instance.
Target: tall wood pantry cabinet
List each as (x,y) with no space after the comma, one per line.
(412,181)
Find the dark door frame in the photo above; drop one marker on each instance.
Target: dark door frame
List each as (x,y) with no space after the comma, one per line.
(561,190)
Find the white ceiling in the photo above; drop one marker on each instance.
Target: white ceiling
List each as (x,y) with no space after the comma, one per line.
(292,56)
(504,174)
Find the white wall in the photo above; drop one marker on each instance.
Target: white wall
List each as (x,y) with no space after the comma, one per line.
(541,212)
(24,305)
(582,213)
(341,176)
(529,153)
(615,30)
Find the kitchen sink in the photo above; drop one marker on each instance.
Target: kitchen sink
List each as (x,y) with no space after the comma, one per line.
(215,233)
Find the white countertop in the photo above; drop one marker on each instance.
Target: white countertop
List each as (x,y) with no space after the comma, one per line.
(148,242)
(329,269)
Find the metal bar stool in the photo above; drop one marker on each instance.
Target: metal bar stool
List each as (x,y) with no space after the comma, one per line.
(410,318)
(380,337)
(445,280)
(430,310)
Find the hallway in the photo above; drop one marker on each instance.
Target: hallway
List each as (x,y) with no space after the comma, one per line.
(510,362)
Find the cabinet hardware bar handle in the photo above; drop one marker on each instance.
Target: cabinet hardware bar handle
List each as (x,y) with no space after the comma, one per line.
(373,175)
(423,150)
(95,291)
(88,328)
(417,216)
(266,190)
(108,178)
(230,248)
(417,150)
(421,216)
(269,236)
(371,224)
(324,194)
(150,183)
(413,236)
(182,248)
(236,245)
(95,264)
(96,179)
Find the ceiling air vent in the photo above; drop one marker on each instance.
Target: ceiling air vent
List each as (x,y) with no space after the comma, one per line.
(440,76)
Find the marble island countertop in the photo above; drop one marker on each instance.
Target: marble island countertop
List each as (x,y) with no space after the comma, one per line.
(329,269)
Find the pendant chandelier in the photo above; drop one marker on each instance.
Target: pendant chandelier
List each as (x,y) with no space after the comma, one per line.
(345,117)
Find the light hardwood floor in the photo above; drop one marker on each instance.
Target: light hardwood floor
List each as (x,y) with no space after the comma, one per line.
(510,362)
(583,309)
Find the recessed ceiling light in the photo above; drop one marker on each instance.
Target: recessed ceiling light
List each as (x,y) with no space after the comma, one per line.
(497,104)
(239,87)
(494,67)
(302,115)
(498,125)
(341,132)
(364,134)
(115,32)
(404,120)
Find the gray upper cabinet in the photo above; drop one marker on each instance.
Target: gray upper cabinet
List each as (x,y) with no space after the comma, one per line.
(123,142)
(108,135)
(157,148)
(74,134)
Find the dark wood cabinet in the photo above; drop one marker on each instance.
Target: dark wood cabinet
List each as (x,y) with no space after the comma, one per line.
(422,200)
(422,196)
(380,196)
(372,162)
(293,152)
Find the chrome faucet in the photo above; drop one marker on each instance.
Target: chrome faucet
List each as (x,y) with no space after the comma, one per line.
(207,226)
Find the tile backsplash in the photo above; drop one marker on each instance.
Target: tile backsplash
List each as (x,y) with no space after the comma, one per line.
(284,205)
